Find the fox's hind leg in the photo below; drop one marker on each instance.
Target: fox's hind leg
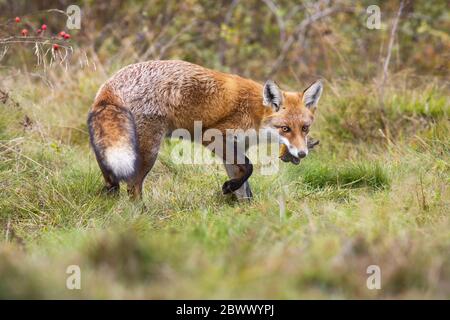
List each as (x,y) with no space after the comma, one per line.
(111,185)
(150,131)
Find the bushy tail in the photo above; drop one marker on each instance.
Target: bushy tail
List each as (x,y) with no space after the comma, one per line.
(113,137)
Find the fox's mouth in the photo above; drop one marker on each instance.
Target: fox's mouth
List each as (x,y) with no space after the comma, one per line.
(287,157)
(290,158)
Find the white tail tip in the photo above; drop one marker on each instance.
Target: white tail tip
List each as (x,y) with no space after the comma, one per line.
(121,160)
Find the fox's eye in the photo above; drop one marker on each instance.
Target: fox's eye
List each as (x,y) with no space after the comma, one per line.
(285,129)
(305,128)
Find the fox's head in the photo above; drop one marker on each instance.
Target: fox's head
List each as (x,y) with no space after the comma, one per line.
(292,116)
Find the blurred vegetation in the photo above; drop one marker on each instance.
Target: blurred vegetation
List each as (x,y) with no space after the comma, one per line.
(376,190)
(246,37)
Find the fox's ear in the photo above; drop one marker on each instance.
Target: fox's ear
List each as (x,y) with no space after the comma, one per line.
(312,94)
(272,95)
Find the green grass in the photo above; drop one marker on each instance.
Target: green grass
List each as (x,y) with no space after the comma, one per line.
(318,175)
(356,113)
(311,231)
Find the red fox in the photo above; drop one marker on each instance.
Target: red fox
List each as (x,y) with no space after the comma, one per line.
(144,102)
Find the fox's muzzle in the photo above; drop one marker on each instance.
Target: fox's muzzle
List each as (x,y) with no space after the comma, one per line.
(287,157)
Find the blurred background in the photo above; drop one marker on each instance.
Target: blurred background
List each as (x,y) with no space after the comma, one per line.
(255,38)
(375,192)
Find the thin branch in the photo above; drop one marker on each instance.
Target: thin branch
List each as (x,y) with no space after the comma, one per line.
(174,39)
(42,46)
(33,40)
(226,21)
(273,7)
(300,29)
(389,50)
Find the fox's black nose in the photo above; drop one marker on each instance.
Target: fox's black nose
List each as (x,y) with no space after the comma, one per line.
(301,154)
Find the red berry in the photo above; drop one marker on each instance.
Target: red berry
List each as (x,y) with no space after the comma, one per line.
(24,32)
(38,31)
(17,19)
(55,46)
(44,27)
(66,36)
(61,34)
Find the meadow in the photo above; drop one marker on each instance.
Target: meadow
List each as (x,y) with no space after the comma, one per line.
(374,192)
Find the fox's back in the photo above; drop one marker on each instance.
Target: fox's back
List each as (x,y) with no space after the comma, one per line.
(177,90)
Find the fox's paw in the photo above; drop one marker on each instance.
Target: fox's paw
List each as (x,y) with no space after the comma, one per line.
(111,190)
(231,186)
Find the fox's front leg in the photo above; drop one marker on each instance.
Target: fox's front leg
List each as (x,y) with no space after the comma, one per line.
(239,169)
(237,164)
(238,184)
(236,174)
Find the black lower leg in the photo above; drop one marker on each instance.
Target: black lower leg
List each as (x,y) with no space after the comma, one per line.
(111,185)
(234,184)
